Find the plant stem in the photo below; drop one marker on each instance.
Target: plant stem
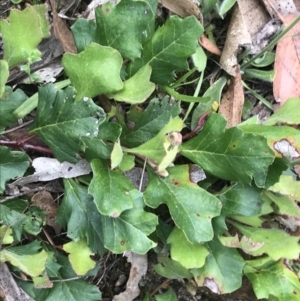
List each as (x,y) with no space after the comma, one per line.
(196,93)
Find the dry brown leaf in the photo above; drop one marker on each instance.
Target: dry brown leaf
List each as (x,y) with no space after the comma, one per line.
(232,103)
(43,199)
(183,8)
(237,35)
(209,45)
(287,67)
(62,32)
(139,266)
(248,17)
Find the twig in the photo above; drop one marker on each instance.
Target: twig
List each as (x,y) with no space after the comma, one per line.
(17,127)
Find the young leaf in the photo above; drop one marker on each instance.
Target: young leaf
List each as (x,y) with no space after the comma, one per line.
(116,155)
(60,121)
(80,256)
(137,88)
(223,269)
(12,164)
(110,189)
(94,71)
(191,207)
(169,48)
(169,295)
(6,237)
(229,154)
(79,213)
(274,280)
(20,43)
(26,258)
(115,26)
(144,125)
(187,254)
(161,149)
(274,242)
(11,100)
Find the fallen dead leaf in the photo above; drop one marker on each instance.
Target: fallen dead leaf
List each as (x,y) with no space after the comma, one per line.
(183,8)
(248,17)
(209,45)
(43,199)
(287,67)
(232,102)
(237,35)
(62,32)
(139,266)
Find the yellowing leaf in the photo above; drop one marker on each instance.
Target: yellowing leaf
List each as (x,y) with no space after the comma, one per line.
(32,265)
(287,186)
(80,256)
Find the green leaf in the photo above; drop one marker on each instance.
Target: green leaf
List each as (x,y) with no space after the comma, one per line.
(274,242)
(215,93)
(115,26)
(79,213)
(60,122)
(19,43)
(161,149)
(116,155)
(169,295)
(144,125)
(286,114)
(171,269)
(130,230)
(84,32)
(137,88)
(14,218)
(225,6)
(223,269)
(228,154)
(80,256)
(267,76)
(127,162)
(11,100)
(12,164)
(94,71)
(32,264)
(287,186)
(4,73)
(275,280)
(169,48)
(199,59)
(187,254)
(191,207)
(100,147)
(265,60)
(110,189)
(239,200)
